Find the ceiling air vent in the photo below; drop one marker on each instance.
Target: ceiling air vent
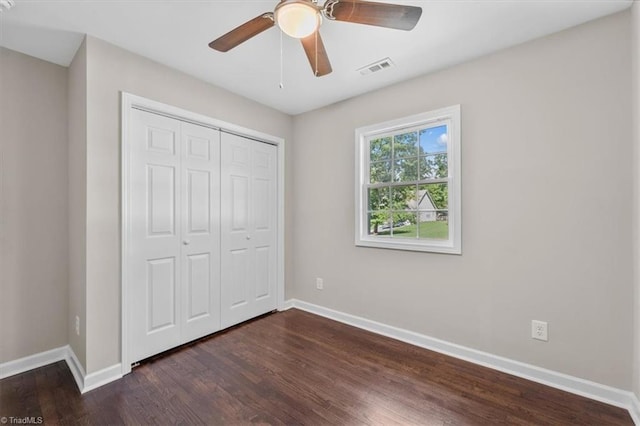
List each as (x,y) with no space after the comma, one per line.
(380,65)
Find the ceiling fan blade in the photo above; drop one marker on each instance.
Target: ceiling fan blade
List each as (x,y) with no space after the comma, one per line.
(317,55)
(372,13)
(243,33)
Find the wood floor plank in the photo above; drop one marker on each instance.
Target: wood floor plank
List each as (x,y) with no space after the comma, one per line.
(297,368)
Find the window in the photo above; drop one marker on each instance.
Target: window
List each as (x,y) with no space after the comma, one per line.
(408,183)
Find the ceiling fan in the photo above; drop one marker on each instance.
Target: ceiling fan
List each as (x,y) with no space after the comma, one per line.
(302,18)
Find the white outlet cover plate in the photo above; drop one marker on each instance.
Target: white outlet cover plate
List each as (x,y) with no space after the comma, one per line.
(540,330)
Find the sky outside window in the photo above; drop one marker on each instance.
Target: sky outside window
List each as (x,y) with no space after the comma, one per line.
(434,139)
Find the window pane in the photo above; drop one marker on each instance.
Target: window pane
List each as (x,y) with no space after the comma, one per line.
(405,169)
(434,139)
(379,223)
(380,149)
(403,197)
(405,145)
(378,198)
(434,167)
(404,225)
(380,172)
(433,225)
(433,196)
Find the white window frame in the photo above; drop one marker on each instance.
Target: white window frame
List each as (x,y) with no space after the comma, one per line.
(450,116)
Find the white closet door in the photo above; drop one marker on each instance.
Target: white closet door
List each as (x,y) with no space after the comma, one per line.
(200,231)
(249,238)
(174,264)
(155,246)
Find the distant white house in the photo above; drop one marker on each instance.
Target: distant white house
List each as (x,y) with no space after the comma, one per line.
(424,202)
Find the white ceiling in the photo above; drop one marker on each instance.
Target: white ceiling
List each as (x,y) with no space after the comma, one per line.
(176,33)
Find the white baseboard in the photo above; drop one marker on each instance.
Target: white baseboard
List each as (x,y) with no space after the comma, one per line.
(77,371)
(102,377)
(634,409)
(288,304)
(607,394)
(31,362)
(84,381)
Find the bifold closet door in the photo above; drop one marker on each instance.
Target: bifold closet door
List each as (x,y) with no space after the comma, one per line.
(200,231)
(173,266)
(249,228)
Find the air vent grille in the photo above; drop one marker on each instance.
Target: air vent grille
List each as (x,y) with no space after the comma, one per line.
(380,65)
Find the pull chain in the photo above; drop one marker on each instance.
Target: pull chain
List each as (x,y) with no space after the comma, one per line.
(316,40)
(281,63)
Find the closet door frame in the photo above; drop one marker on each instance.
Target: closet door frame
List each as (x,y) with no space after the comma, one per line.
(129,102)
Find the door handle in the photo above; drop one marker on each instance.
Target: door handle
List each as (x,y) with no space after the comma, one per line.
(186,242)
(248,237)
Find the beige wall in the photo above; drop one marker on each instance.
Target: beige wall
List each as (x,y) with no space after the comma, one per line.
(77,185)
(547,173)
(33,195)
(111,70)
(635,57)
(546,134)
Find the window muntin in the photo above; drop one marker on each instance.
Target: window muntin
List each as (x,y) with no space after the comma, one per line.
(408,183)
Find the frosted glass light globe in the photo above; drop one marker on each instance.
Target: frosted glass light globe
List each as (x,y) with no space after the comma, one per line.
(298,19)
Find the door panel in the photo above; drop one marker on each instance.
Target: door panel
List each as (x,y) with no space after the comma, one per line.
(161,204)
(199,279)
(239,200)
(198,203)
(154,269)
(263,287)
(238,277)
(264,217)
(161,140)
(261,204)
(161,293)
(248,191)
(198,148)
(174,275)
(200,231)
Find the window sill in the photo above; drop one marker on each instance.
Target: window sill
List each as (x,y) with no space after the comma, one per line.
(445,247)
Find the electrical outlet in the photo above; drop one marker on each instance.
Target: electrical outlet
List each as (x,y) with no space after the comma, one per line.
(540,330)
(77,325)
(319,283)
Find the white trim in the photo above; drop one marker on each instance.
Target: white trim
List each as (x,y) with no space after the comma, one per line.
(85,382)
(77,371)
(102,377)
(11,368)
(449,116)
(634,409)
(129,101)
(603,393)
(288,304)
(125,229)
(280,237)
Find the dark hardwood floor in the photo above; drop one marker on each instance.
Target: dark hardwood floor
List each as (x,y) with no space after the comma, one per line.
(296,368)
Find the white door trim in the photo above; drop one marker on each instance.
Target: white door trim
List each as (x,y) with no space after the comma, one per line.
(129,102)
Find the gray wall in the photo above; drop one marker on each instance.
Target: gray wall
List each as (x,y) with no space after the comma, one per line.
(547,173)
(635,56)
(77,107)
(111,70)
(33,199)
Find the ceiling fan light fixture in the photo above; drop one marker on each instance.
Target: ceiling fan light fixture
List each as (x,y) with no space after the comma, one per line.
(6,5)
(297,18)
